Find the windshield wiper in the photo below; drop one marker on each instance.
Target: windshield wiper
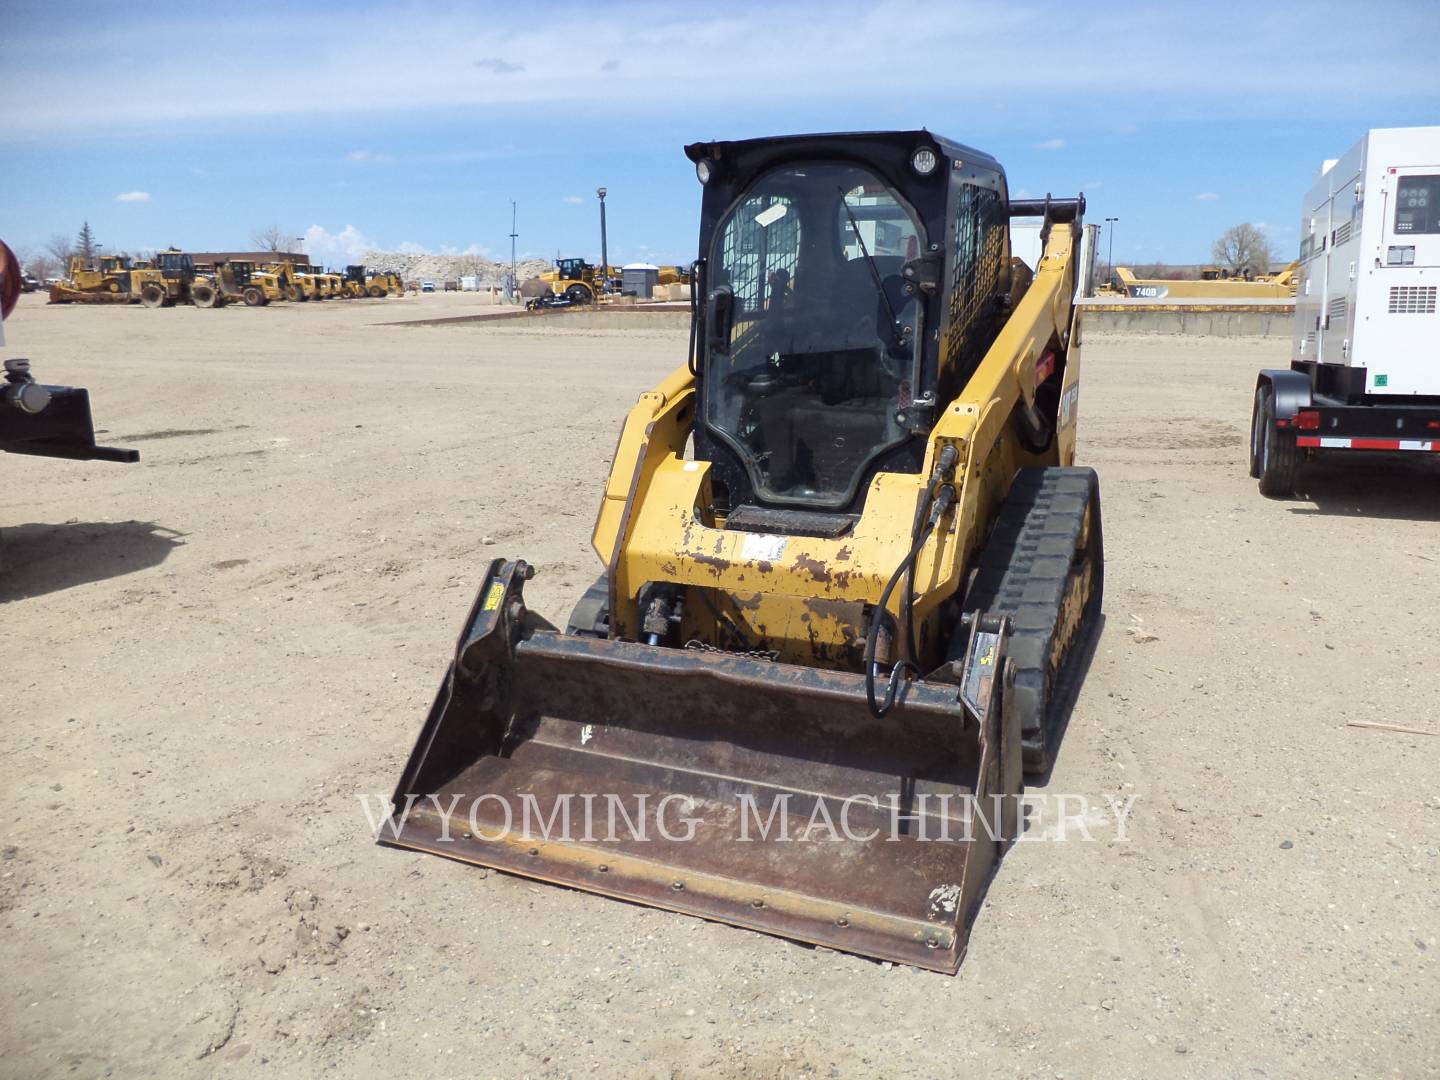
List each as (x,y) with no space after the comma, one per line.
(870,261)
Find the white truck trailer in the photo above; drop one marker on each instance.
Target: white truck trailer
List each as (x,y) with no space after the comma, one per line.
(1364,372)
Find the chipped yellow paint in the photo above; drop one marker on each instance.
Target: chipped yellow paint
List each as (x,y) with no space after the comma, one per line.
(654,523)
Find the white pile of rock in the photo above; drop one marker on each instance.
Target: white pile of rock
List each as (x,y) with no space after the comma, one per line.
(442,268)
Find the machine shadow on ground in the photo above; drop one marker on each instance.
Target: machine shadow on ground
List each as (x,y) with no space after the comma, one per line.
(1403,487)
(1067,693)
(41,558)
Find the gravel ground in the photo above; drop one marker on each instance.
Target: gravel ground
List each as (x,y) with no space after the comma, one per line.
(211,653)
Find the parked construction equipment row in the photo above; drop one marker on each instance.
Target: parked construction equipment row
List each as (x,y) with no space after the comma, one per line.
(172,277)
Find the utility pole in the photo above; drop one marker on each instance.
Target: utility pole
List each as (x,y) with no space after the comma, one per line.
(513,235)
(1110,258)
(604,251)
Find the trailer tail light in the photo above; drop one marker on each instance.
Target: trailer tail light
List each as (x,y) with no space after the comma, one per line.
(1307,420)
(1432,425)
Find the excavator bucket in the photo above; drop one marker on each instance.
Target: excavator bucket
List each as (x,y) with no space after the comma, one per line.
(734,788)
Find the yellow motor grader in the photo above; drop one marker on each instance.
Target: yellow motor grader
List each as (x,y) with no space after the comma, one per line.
(851,575)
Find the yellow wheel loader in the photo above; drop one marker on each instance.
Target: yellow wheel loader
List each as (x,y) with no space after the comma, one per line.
(301,284)
(359,285)
(334,284)
(378,285)
(239,281)
(578,281)
(852,578)
(316,283)
(168,280)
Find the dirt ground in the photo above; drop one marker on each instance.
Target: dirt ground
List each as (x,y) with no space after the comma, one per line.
(208,655)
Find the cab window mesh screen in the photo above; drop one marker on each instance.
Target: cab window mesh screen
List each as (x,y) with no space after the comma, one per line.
(758,245)
(977,259)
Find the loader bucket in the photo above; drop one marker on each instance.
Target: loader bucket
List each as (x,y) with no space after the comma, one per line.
(750,792)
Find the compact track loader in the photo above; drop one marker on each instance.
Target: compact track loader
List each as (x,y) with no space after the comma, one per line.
(851,576)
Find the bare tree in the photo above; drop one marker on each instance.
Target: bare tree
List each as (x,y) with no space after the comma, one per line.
(38,264)
(474,266)
(272,238)
(61,247)
(1243,248)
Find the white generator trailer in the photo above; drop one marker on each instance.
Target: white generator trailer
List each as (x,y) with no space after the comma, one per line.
(1364,372)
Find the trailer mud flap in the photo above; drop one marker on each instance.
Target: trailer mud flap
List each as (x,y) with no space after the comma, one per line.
(755,793)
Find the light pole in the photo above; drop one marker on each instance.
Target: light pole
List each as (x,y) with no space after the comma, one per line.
(513,235)
(1110,258)
(604,251)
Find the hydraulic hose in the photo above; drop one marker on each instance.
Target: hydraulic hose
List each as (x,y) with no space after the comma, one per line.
(939,497)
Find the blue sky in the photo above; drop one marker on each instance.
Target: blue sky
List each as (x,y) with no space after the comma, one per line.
(395,124)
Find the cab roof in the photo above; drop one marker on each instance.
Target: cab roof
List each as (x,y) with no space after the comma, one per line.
(790,146)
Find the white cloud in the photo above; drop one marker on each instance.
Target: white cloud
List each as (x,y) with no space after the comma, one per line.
(368,155)
(449,59)
(1051,144)
(574,200)
(1206,196)
(133,196)
(336,249)
(499,66)
(1092,185)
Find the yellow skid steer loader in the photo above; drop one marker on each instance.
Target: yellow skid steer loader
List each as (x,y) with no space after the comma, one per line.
(851,577)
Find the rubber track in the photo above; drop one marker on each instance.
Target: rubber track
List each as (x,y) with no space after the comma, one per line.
(1022,571)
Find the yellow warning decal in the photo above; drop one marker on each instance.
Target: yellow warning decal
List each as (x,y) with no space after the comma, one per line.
(494,596)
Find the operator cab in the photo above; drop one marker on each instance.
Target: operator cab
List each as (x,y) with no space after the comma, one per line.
(175,264)
(848,284)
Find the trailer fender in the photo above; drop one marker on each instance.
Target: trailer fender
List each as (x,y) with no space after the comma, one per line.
(1292,390)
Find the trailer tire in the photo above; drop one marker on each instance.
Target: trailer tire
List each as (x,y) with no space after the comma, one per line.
(1277,458)
(152,295)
